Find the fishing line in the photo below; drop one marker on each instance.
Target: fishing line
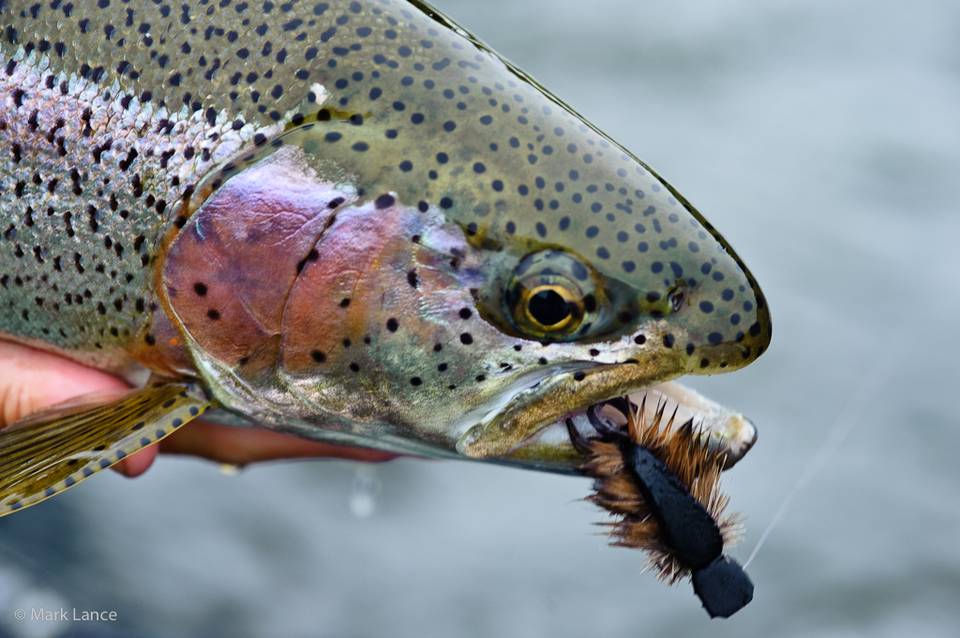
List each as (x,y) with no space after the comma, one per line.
(846,421)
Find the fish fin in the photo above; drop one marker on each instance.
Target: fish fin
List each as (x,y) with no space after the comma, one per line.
(54,450)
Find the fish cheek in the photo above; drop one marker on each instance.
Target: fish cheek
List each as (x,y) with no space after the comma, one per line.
(338,307)
(228,272)
(362,322)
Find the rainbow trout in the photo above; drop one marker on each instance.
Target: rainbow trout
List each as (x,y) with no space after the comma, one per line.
(348,220)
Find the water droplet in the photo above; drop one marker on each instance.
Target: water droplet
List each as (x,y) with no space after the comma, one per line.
(364,492)
(230,469)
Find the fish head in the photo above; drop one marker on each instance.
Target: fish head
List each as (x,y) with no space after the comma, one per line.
(437,255)
(609,304)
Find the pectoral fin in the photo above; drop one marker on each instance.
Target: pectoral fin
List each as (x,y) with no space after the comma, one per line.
(49,452)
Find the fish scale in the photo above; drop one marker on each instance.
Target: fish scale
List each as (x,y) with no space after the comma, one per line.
(349,220)
(90,182)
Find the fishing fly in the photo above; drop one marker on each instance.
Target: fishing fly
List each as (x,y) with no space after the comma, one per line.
(662,486)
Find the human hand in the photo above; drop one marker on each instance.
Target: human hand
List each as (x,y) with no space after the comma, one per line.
(32,380)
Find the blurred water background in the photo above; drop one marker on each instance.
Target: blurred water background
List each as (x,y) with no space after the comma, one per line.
(823,140)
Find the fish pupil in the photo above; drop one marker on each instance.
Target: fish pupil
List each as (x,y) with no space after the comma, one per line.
(548,307)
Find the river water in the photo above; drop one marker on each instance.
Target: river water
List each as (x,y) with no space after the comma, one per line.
(823,140)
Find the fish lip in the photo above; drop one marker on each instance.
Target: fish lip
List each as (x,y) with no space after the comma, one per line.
(736,454)
(547,445)
(533,408)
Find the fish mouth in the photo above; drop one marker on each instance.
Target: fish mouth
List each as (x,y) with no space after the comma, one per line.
(726,432)
(532,429)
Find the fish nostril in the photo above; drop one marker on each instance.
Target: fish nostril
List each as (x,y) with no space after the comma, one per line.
(676,300)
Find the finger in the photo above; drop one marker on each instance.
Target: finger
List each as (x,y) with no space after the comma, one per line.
(138,462)
(31,380)
(239,446)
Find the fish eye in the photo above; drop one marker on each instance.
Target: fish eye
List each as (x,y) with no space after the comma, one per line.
(551,296)
(552,307)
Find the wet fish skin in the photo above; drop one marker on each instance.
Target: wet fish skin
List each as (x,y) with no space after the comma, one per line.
(400,137)
(92,178)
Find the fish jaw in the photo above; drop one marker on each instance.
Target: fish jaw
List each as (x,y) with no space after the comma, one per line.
(535,407)
(723,430)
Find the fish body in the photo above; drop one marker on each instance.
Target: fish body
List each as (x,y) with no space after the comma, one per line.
(350,220)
